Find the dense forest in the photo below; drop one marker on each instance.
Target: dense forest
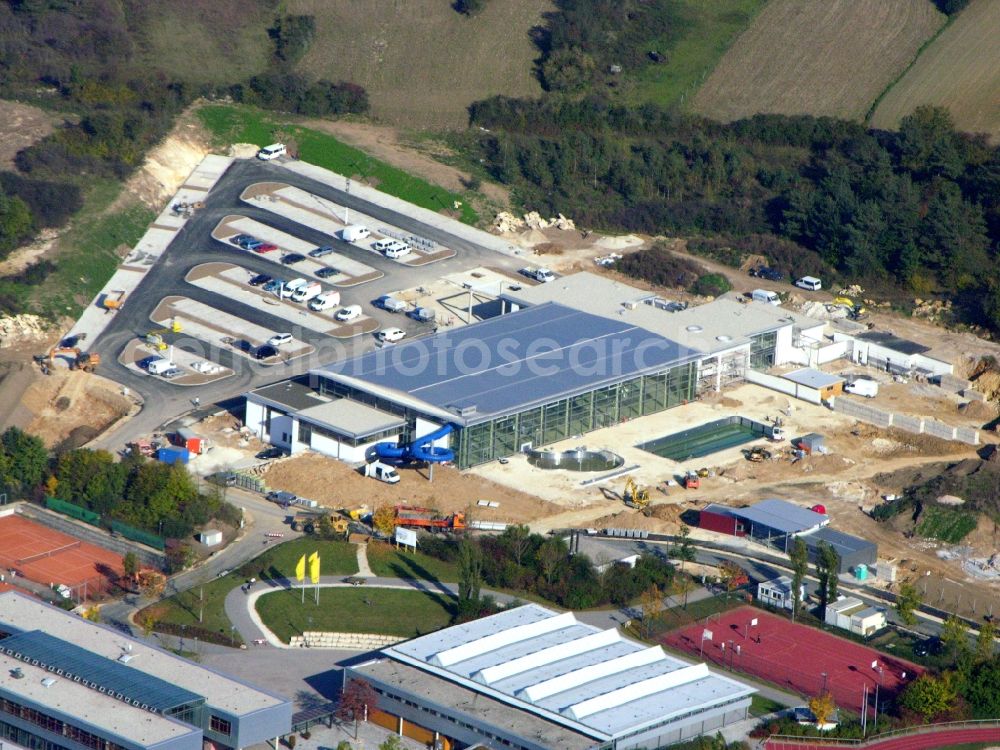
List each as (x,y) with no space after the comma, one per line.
(918,210)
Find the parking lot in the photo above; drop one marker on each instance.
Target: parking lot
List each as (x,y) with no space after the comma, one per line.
(202,281)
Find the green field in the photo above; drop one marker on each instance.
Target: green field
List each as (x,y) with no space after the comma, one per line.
(707,29)
(232,124)
(208,600)
(762,706)
(948,525)
(356,610)
(385,560)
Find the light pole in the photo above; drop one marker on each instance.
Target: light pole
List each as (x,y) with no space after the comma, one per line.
(824,684)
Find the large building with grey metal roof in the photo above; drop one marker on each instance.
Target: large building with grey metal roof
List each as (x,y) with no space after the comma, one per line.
(578,354)
(73,684)
(535,679)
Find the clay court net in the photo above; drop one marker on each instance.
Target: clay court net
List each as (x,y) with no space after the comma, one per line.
(47,553)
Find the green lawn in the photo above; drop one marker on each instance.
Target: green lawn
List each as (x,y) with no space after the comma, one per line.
(208,600)
(708,28)
(948,525)
(385,560)
(761,706)
(240,124)
(356,610)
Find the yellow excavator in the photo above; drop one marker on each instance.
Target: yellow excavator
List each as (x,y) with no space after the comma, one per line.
(77,360)
(635,496)
(855,310)
(155,338)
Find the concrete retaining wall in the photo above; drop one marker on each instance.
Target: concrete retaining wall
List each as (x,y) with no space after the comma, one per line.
(952,384)
(343,641)
(967,435)
(908,422)
(861,411)
(939,429)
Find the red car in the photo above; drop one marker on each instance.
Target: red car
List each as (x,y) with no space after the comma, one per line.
(265,248)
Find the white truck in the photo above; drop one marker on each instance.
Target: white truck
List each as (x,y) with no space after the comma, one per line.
(307,292)
(354,233)
(542,275)
(382,472)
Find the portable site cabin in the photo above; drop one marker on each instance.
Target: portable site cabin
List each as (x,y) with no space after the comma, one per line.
(186,438)
(854,615)
(778,592)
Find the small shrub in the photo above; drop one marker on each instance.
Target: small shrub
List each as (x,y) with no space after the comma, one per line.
(711,285)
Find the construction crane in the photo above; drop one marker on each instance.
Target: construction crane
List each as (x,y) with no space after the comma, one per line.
(635,496)
(155,338)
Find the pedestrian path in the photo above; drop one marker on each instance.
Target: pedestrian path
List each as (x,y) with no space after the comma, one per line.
(363,570)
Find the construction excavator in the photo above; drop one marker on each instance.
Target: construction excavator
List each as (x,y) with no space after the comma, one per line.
(855,310)
(77,361)
(635,496)
(155,338)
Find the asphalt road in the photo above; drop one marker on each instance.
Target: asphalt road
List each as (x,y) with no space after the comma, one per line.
(194,246)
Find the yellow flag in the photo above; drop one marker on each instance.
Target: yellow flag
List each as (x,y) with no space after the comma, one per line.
(314,567)
(300,569)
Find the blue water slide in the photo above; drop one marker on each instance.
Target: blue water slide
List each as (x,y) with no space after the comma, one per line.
(421,449)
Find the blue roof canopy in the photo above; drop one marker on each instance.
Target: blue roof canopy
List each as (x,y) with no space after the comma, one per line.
(512,362)
(113,677)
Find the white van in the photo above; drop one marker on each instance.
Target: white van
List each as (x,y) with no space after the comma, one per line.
(307,292)
(272,152)
(291,288)
(397,250)
(809,282)
(354,233)
(158,366)
(862,387)
(763,295)
(325,301)
(384,244)
(382,472)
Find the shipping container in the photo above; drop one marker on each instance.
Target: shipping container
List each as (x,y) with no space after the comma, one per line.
(173,455)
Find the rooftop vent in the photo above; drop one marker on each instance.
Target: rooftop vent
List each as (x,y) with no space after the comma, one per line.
(16,673)
(694,329)
(48,681)
(466,411)
(723,337)
(125,658)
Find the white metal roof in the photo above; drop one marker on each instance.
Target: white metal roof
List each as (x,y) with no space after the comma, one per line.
(554,666)
(227,693)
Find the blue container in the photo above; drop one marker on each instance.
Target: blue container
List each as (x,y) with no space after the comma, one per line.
(173,455)
(861,572)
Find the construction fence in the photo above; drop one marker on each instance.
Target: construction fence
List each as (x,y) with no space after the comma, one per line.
(907,422)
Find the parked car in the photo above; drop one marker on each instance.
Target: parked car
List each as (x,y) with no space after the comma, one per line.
(390,303)
(264,247)
(291,287)
(280,339)
(391,335)
(351,312)
(268,453)
(354,233)
(397,251)
(809,282)
(423,314)
(260,279)
(770,274)
(282,498)
(265,352)
(542,275)
(273,285)
(862,387)
(240,239)
(292,258)
(319,252)
(272,152)
(765,295)
(307,292)
(325,273)
(325,301)
(222,478)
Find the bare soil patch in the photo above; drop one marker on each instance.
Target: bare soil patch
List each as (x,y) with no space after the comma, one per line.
(334,484)
(960,70)
(821,58)
(20,126)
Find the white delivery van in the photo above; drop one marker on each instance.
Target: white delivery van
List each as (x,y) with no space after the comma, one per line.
(272,152)
(382,472)
(158,366)
(384,244)
(325,301)
(763,295)
(354,233)
(809,282)
(291,287)
(397,250)
(307,292)
(862,387)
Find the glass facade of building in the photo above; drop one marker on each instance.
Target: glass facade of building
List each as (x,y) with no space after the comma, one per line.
(762,348)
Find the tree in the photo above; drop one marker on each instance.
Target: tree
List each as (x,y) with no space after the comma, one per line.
(384,520)
(470,573)
(16,223)
(27,458)
(130,564)
(822,707)
(344,745)
(930,696)
(799,555)
(908,600)
(469,7)
(733,576)
(711,285)
(682,586)
(392,742)
(827,570)
(551,555)
(983,689)
(148,622)
(985,645)
(684,550)
(652,609)
(92,613)
(355,701)
(954,635)
(517,539)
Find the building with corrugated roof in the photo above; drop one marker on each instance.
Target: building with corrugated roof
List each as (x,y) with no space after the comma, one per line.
(534,679)
(69,683)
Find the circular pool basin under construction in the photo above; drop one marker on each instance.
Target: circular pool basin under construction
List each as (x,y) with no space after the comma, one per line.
(578,459)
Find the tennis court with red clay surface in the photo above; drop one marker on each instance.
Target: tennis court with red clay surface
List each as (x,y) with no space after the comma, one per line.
(930,740)
(795,656)
(47,556)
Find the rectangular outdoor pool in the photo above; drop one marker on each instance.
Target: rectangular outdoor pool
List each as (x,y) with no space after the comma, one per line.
(706,439)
